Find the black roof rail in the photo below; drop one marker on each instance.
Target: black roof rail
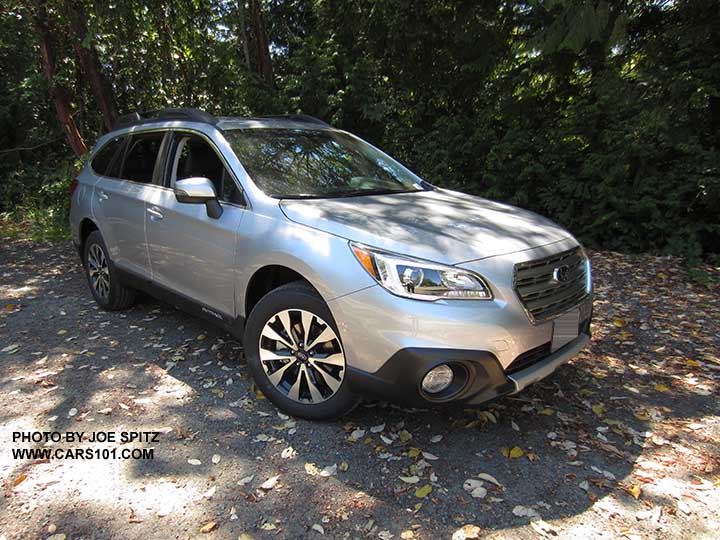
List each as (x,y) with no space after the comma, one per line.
(299,118)
(159,115)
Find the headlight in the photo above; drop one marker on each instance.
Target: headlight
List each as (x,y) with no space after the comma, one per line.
(419,279)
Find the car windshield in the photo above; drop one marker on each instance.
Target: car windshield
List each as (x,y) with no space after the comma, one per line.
(302,163)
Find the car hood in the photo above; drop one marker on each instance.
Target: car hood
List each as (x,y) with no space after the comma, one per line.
(440,225)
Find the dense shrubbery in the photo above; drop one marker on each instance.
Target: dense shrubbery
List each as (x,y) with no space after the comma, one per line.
(601,114)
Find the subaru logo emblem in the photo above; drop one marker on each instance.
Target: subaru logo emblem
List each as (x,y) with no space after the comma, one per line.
(561,274)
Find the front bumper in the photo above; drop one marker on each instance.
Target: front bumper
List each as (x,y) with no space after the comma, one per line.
(400,377)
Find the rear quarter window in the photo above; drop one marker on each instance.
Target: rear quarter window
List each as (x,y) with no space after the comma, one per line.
(106,162)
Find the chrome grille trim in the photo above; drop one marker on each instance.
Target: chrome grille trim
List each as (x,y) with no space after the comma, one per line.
(542,296)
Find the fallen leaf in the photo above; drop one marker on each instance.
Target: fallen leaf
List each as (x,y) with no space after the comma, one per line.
(330,470)
(356,435)
(475,488)
(267,526)
(543,528)
(597,409)
(407,535)
(661,388)
(270,483)
(377,429)
(524,511)
(405,436)
(429,456)
(216,459)
(194,461)
(246,480)
(385,535)
(208,527)
(512,453)
(318,528)
(410,479)
(19,479)
(489,478)
(423,491)
(436,438)
(467,532)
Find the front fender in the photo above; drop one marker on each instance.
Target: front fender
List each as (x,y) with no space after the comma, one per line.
(323,259)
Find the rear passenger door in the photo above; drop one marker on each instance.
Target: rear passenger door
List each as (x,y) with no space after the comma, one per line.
(191,253)
(119,200)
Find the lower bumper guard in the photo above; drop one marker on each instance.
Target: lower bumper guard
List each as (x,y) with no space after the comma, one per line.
(399,378)
(542,369)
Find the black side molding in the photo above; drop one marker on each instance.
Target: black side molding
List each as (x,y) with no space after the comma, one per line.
(235,326)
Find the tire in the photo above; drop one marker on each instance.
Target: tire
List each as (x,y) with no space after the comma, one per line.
(102,277)
(311,382)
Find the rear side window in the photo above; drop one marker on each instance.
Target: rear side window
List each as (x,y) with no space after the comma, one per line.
(141,156)
(106,162)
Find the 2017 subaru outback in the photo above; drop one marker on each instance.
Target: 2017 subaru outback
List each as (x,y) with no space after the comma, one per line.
(343,273)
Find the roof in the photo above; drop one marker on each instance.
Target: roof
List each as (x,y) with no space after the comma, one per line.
(299,121)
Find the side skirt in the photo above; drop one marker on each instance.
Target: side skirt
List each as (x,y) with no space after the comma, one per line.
(235,326)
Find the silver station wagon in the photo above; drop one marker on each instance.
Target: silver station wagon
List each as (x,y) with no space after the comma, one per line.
(343,273)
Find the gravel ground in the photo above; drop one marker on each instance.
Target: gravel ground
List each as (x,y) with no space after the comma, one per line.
(621,443)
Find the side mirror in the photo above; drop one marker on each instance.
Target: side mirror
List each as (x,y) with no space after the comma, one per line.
(199,190)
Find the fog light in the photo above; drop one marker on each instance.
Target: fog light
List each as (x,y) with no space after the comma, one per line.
(437,379)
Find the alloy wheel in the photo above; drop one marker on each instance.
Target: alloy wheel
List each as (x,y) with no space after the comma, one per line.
(98,271)
(302,356)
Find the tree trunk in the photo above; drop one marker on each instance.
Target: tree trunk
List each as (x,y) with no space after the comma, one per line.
(262,45)
(242,33)
(58,93)
(90,63)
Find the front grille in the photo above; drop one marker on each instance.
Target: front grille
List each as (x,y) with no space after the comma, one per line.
(544,296)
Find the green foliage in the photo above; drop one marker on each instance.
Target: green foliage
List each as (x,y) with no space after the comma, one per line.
(602,114)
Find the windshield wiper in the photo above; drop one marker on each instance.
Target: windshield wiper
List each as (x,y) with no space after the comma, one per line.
(343,194)
(362,192)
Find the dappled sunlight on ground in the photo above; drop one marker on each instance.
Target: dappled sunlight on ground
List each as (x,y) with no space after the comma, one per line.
(621,443)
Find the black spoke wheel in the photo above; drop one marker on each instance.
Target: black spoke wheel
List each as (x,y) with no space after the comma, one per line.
(105,285)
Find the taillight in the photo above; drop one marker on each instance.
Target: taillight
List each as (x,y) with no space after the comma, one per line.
(73,187)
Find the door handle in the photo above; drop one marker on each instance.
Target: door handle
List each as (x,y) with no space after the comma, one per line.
(102,196)
(155,213)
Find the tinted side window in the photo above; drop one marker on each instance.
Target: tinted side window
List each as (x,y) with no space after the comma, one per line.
(195,157)
(141,156)
(103,161)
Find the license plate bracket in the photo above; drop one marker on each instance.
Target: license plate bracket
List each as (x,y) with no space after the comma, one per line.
(565,329)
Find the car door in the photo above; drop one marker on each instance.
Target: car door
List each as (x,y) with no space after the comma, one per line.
(191,253)
(119,201)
